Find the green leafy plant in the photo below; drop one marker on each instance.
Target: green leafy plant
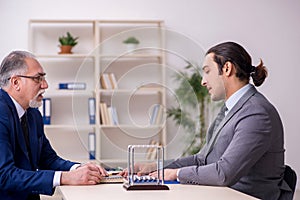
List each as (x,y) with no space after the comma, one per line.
(68,40)
(192,96)
(131,40)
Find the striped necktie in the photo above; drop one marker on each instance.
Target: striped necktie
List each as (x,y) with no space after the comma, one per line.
(220,117)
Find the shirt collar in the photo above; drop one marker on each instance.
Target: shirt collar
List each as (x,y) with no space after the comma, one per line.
(233,99)
(19,108)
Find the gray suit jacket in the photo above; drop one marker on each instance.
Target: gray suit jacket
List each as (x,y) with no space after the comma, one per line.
(248,154)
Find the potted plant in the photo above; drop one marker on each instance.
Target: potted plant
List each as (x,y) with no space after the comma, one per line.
(67,42)
(131,43)
(193,99)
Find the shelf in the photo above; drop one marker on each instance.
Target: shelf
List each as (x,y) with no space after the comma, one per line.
(68,126)
(138,91)
(59,56)
(45,21)
(131,56)
(123,126)
(68,93)
(115,22)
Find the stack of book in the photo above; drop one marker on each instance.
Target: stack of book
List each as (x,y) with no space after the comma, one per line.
(108,81)
(108,114)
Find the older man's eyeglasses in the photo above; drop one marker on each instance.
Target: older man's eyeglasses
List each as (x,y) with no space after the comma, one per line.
(37,79)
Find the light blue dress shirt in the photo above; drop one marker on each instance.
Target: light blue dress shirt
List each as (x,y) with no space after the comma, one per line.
(235,97)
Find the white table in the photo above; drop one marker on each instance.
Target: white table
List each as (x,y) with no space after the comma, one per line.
(176,192)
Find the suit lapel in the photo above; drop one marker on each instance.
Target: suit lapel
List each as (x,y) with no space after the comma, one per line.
(229,115)
(17,123)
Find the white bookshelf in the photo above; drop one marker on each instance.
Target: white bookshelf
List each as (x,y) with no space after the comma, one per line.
(140,78)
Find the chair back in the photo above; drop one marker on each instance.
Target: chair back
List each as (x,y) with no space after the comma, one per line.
(290,177)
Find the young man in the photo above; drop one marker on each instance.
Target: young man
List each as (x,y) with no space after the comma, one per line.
(28,164)
(245,149)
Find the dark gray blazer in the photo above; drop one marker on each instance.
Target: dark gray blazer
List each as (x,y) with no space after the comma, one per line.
(248,154)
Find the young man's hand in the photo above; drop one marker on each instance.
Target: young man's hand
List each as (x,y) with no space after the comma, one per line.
(141,169)
(169,174)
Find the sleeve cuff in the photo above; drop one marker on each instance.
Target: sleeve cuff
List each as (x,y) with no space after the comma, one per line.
(177,174)
(57,175)
(75,166)
(56,179)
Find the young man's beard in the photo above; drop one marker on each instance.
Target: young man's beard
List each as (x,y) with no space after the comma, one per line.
(34,103)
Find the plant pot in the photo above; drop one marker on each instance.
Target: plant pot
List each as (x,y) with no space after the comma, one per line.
(131,47)
(65,49)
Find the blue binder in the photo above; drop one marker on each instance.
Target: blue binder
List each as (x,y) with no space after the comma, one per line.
(47,110)
(92,146)
(72,86)
(92,110)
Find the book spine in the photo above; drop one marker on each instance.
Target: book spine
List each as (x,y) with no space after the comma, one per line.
(109,115)
(105,81)
(113,81)
(115,116)
(159,116)
(103,111)
(154,114)
(106,115)
(108,81)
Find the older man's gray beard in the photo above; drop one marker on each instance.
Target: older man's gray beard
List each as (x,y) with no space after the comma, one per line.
(34,103)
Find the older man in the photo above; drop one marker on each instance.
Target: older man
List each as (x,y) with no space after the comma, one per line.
(28,164)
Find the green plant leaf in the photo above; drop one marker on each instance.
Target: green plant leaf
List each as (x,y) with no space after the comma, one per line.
(131,40)
(68,39)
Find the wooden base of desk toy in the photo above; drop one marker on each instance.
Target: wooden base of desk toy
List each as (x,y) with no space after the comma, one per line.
(145,187)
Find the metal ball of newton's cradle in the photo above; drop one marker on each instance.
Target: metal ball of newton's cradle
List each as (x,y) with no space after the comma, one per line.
(135,182)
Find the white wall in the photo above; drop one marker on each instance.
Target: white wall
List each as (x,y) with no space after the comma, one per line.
(269,29)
